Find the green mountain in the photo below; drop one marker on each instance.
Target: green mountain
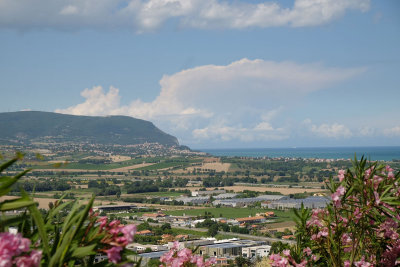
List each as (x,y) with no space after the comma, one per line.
(122,130)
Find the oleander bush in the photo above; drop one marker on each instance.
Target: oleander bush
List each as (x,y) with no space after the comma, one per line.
(68,234)
(359,228)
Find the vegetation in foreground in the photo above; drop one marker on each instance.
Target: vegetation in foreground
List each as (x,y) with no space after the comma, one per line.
(69,234)
(359,228)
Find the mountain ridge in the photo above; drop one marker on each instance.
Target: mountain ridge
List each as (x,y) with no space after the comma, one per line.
(119,129)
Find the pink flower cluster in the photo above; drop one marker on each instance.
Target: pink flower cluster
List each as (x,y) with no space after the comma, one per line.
(336,197)
(117,236)
(363,221)
(14,251)
(288,261)
(184,257)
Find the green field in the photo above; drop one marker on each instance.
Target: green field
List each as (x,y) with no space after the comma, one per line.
(81,166)
(115,165)
(232,212)
(155,194)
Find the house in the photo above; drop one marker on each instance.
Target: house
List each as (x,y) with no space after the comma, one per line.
(256,251)
(146,257)
(153,216)
(221,250)
(270,214)
(221,261)
(192,243)
(145,233)
(288,237)
(165,238)
(255,219)
(140,248)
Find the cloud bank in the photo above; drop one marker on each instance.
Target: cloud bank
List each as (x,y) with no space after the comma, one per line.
(238,101)
(142,16)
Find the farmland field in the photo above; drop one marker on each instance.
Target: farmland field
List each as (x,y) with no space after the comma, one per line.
(232,213)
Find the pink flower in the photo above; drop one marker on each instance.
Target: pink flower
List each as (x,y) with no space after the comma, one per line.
(36,256)
(362,263)
(103,222)
(198,260)
(301,264)
(13,245)
(167,257)
(357,215)
(113,254)
(389,228)
(185,254)
(5,261)
(114,223)
(278,261)
(347,241)
(377,200)
(211,261)
(346,263)
(337,196)
(286,252)
(32,260)
(178,258)
(341,175)
(323,233)
(388,169)
(129,231)
(308,251)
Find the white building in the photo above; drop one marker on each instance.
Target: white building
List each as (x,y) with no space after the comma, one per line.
(309,203)
(140,248)
(194,200)
(207,193)
(256,251)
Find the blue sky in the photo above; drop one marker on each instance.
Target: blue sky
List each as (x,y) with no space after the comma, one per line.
(213,73)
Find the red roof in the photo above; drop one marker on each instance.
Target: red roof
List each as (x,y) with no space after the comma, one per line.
(144,232)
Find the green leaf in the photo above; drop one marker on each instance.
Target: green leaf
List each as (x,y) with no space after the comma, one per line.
(7,182)
(37,217)
(7,164)
(82,217)
(15,204)
(81,252)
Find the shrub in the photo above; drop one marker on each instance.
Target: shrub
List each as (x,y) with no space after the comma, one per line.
(68,234)
(360,227)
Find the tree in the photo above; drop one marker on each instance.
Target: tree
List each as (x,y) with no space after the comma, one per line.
(166,226)
(213,230)
(242,261)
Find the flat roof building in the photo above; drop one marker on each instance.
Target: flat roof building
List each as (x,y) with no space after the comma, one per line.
(309,203)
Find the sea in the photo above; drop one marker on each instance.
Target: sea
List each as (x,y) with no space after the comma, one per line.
(385,153)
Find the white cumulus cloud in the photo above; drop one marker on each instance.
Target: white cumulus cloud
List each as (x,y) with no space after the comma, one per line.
(97,103)
(142,15)
(238,101)
(392,132)
(334,130)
